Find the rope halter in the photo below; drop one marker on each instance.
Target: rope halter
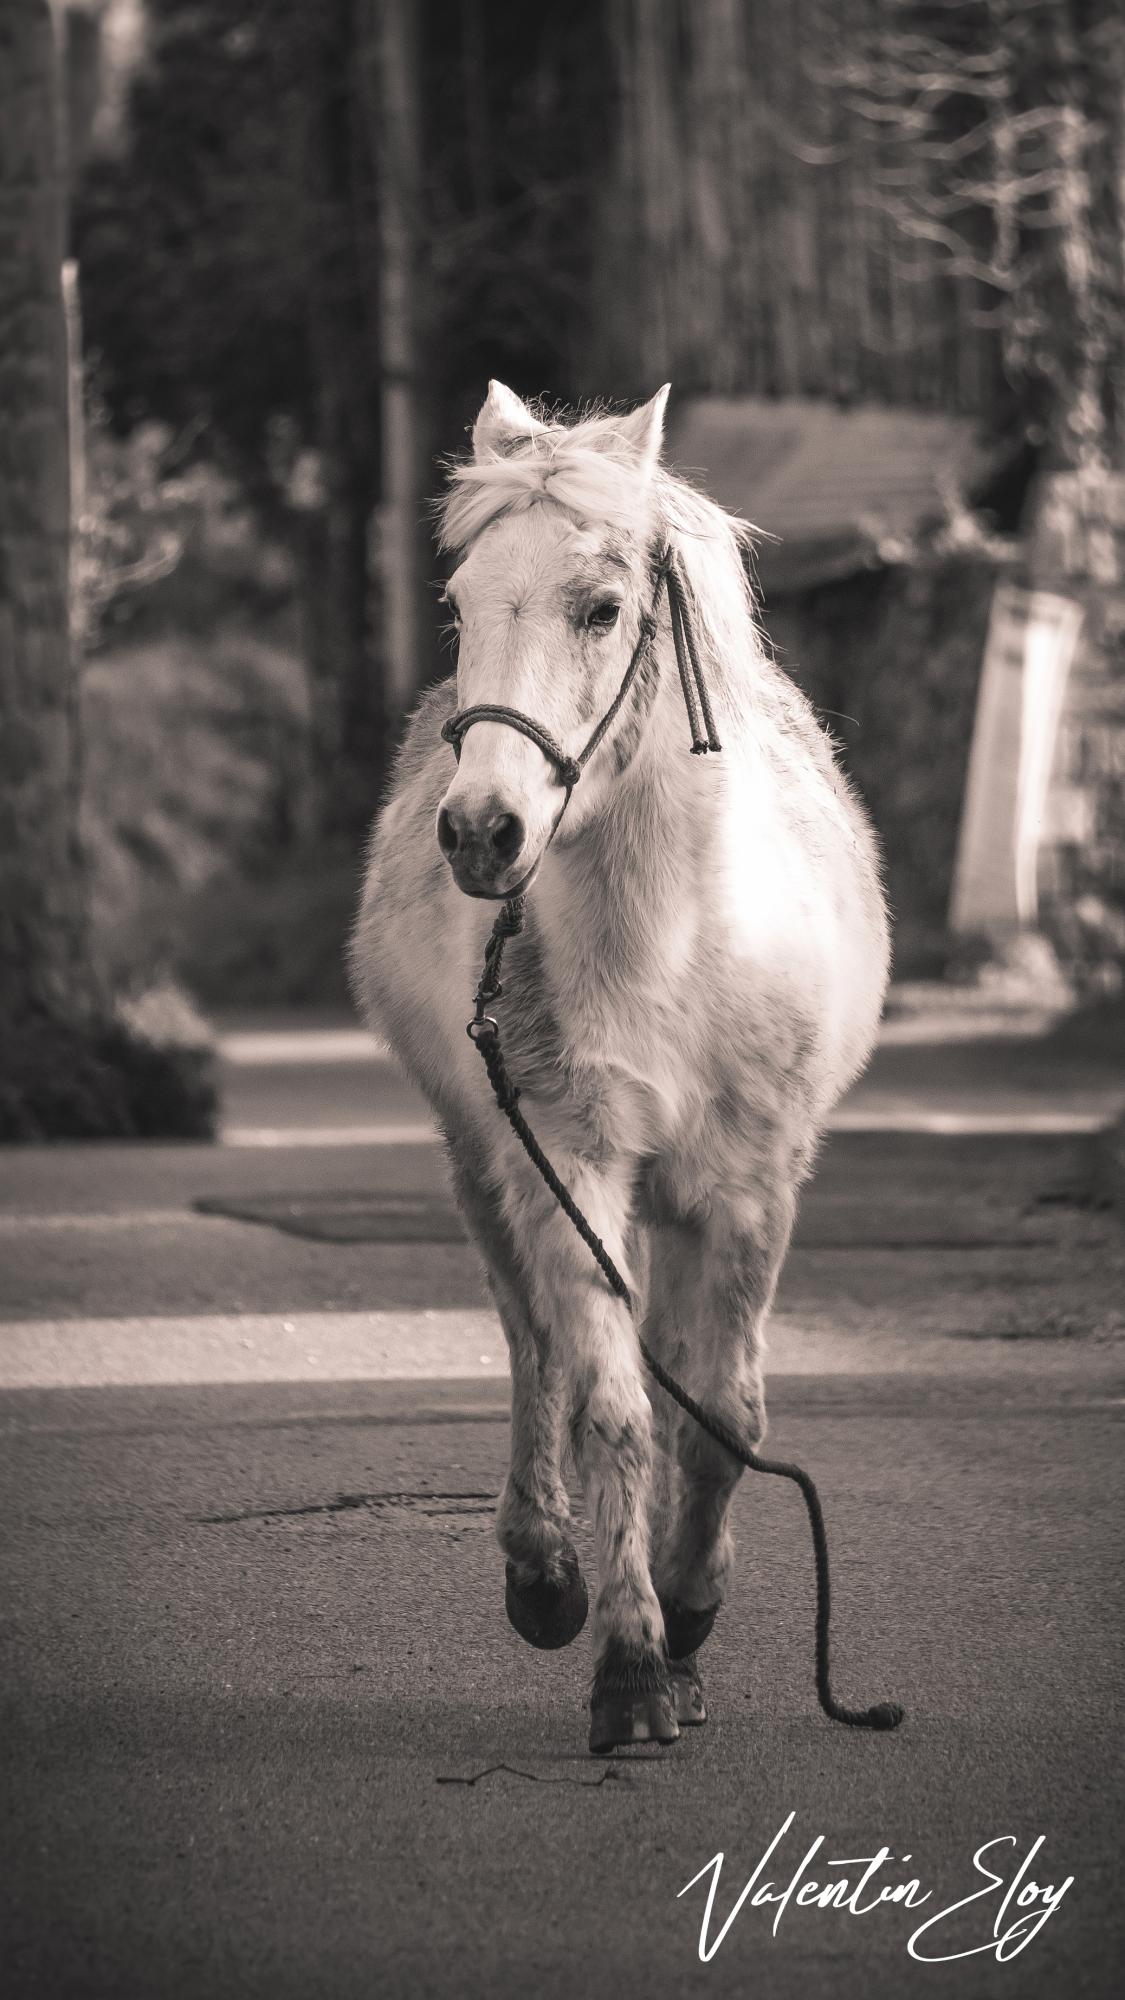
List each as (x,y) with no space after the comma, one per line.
(568,770)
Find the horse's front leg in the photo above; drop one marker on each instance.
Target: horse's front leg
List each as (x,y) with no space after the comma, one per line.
(545,1593)
(674,1298)
(716,1333)
(611,1432)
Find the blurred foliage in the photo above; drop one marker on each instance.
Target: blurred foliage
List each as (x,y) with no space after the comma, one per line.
(192,277)
(244,202)
(231,281)
(904,201)
(193,766)
(194,696)
(994,132)
(273,937)
(166,541)
(913,198)
(145,1070)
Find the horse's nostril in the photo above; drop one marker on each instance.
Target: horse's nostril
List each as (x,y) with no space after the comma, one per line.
(506,834)
(446,833)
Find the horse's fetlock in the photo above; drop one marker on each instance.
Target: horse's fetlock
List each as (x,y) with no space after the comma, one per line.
(531,1540)
(630,1667)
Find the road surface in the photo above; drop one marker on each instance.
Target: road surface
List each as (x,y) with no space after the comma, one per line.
(255,1656)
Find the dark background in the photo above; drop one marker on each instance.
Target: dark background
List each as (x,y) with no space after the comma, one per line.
(297,225)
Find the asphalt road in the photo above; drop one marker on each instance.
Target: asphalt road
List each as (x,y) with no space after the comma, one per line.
(254,1643)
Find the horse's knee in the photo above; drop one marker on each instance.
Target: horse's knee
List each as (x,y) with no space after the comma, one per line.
(612,1429)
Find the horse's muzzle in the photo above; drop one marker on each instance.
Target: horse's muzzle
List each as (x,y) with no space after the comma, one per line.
(485,850)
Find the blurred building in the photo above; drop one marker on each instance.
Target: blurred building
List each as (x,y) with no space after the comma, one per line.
(1011,754)
(838,490)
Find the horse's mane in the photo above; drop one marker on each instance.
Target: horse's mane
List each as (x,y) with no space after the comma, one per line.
(588,466)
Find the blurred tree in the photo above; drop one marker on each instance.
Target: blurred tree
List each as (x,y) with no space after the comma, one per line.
(222,295)
(1002,124)
(391,98)
(325,221)
(918,201)
(43,963)
(69,1062)
(303,60)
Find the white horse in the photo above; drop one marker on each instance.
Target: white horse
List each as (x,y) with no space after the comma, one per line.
(700,976)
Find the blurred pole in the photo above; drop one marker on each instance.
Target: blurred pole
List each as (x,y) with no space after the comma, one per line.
(393,106)
(319,70)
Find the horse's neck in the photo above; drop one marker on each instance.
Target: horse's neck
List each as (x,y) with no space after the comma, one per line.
(630,877)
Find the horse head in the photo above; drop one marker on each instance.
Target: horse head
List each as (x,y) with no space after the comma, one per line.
(555,527)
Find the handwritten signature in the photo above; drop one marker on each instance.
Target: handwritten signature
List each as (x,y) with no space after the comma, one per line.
(1024,1904)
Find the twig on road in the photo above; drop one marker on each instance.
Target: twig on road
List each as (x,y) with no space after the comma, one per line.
(611,1771)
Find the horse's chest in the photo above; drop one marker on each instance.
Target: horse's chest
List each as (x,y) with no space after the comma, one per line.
(614,985)
(626,1058)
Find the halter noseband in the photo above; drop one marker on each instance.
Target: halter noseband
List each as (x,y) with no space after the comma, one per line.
(568,770)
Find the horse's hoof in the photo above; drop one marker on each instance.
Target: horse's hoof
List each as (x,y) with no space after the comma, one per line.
(687,1692)
(617,1719)
(548,1612)
(632,1702)
(685,1628)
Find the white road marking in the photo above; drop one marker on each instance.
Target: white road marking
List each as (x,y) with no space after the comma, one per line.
(906,1118)
(268,1048)
(968,1124)
(464,1345)
(283,1047)
(104,1221)
(257,1137)
(975,1023)
(250,1347)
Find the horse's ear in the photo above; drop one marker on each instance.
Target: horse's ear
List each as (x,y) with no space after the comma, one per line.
(643,430)
(502,422)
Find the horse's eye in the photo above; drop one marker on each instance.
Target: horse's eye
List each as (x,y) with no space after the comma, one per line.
(603,617)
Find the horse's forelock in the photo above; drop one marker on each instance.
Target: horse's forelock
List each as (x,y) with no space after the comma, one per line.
(581,472)
(591,470)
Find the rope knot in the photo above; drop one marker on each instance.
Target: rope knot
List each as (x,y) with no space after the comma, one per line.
(510,921)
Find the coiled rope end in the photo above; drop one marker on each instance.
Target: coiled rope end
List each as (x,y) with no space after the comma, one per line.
(884,1715)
